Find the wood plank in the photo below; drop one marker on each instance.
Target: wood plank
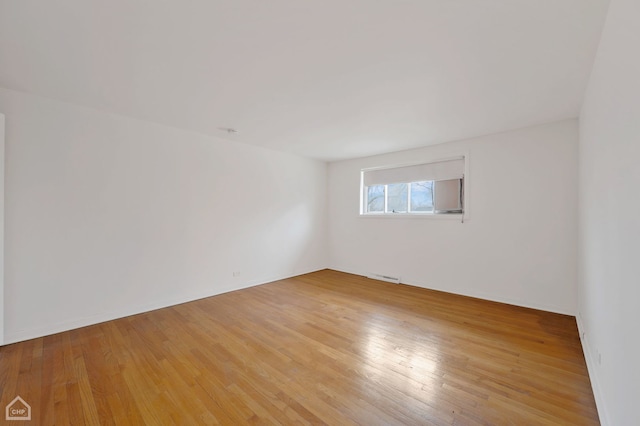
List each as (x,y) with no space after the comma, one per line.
(326,347)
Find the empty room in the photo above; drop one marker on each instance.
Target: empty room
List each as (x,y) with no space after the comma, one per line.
(372,212)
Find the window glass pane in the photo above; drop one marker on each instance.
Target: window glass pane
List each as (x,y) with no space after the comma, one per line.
(375,198)
(397,197)
(422,196)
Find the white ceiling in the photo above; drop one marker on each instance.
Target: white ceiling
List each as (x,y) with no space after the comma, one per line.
(329,79)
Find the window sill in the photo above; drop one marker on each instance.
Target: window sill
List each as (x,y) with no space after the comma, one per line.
(429,216)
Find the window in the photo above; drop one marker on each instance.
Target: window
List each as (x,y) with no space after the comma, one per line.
(430,188)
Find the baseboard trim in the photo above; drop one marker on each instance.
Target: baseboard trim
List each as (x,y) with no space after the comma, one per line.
(474,294)
(49,329)
(593,376)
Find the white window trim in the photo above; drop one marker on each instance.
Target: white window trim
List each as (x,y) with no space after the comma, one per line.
(464,216)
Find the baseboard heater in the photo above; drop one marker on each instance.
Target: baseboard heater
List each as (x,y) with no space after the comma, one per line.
(387,278)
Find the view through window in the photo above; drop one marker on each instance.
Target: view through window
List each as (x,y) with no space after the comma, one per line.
(429,188)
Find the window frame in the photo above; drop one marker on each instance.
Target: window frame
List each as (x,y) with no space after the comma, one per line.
(464,215)
(385,209)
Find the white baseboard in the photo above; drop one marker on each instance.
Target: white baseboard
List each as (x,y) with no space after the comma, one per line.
(48,329)
(593,376)
(590,360)
(475,294)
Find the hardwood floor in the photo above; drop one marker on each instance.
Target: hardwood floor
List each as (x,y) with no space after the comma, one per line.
(326,347)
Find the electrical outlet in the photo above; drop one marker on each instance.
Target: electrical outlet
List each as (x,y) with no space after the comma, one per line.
(236,273)
(599,358)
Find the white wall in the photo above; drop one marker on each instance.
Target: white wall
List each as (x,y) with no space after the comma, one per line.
(519,245)
(108,216)
(609,286)
(1,229)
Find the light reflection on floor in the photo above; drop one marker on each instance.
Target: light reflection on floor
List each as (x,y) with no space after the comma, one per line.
(411,370)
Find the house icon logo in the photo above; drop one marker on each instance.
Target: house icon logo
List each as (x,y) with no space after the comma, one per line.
(18,409)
